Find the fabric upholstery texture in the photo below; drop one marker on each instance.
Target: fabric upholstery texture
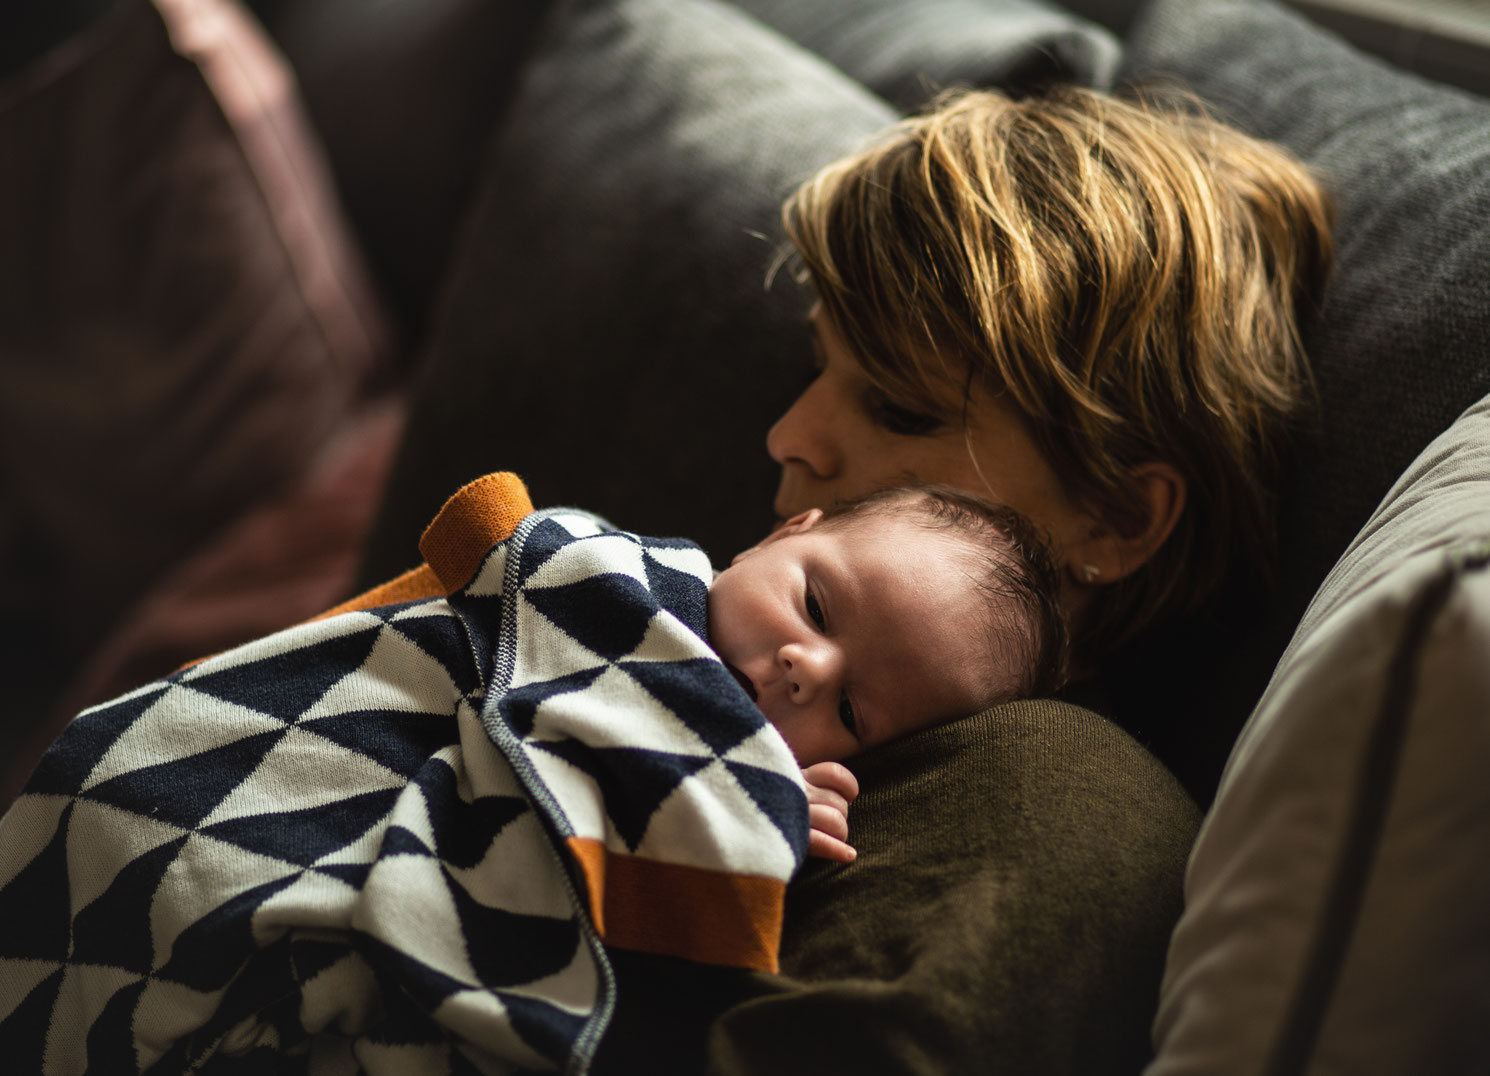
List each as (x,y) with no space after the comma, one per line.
(1399,348)
(1339,879)
(169,252)
(613,278)
(1335,902)
(404,94)
(33,28)
(1018,872)
(906,52)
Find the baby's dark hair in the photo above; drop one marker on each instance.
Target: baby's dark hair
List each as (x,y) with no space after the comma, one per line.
(1016,564)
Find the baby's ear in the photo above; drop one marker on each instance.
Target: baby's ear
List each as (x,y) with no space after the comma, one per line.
(800,523)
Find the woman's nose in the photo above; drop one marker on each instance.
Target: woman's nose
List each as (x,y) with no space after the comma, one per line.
(809,669)
(805,434)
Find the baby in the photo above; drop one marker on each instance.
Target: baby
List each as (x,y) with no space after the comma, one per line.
(436,797)
(857,624)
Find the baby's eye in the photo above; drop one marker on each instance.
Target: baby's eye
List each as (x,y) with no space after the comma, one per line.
(815,611)
(846,715)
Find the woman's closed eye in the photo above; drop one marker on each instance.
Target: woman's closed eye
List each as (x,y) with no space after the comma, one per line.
(901,421)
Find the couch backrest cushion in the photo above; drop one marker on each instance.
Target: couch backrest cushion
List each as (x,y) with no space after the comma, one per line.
(608,331)
(907,52)
(1401,344)
(403,94)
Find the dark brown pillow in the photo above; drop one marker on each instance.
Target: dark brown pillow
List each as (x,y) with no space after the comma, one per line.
(184,321)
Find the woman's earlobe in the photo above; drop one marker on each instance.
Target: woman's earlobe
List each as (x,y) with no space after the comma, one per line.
(1107,555)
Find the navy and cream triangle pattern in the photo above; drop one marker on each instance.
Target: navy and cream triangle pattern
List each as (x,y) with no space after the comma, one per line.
(343,847)
(626,617)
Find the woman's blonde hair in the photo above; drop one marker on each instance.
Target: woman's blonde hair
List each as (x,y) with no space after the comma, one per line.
(1125,274)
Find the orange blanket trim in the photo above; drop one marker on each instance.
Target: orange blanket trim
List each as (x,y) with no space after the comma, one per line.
(479,515)
(476,517)
(414,585)
(706,916)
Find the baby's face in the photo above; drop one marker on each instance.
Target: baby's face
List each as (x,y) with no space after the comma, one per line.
(852,634)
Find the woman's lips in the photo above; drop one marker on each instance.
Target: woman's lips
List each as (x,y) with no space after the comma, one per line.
(743,679)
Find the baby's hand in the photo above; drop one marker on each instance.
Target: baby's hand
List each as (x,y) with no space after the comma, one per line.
(830,789)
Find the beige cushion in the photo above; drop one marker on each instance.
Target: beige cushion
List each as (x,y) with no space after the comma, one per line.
(1335,900)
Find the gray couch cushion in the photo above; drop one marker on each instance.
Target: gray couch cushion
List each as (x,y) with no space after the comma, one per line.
(404,94)
(1335,900)
(905,52)
(608,332)
(1400,347)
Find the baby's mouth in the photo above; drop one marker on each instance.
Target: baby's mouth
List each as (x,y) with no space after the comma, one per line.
(743,679)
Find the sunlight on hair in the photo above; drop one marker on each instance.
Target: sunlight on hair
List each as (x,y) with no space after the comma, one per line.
(1125,273)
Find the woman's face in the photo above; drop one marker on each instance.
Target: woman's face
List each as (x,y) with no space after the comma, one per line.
(843,438)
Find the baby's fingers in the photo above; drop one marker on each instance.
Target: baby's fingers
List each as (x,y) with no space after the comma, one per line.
(830,789)
(822,846)
(831,777)
(828,838)
(829,820)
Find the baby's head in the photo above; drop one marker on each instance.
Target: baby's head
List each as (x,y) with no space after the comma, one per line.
(894,612)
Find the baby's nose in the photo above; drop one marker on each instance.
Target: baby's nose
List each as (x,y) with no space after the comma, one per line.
(808,670)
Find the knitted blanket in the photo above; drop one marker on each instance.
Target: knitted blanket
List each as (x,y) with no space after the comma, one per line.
(401,838)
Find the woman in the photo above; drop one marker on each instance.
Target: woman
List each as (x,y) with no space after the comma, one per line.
(1078,305)
(1083,307)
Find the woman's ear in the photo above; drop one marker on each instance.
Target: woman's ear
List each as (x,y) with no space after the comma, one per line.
(1106,555)
(800,523)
